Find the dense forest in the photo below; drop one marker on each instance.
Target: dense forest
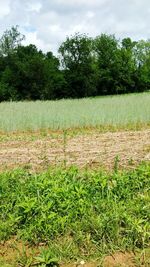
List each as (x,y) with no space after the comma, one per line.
(84,67)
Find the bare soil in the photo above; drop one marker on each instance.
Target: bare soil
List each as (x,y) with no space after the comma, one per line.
(12,250)
(92,149)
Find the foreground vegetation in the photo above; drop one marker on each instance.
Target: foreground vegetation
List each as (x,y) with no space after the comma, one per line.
(77,214)
(111,111)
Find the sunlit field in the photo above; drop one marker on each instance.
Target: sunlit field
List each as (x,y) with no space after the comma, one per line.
(118,110)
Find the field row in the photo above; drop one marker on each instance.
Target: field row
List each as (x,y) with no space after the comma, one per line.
(111,111)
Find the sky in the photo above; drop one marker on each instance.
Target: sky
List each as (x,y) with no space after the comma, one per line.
(46,23)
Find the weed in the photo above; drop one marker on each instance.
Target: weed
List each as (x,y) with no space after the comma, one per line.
(65,146)
(46,259)
(116,163)
(77,214)
(23,259)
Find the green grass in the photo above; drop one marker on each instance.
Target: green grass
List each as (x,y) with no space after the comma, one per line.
(78,214)
(112,111)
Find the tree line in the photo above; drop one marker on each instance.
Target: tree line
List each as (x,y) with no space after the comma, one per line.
(84,67)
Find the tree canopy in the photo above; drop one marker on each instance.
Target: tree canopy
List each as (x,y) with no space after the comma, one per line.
(84,67)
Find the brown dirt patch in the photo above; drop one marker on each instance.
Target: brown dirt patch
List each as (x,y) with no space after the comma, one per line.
(91,149)
(120,260)
(12,250)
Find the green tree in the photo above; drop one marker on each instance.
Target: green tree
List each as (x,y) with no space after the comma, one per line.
(10,40)
(77,63)
(126,67)
(106,48)
(30,74)
(86,67)
(55,84)
(142,58)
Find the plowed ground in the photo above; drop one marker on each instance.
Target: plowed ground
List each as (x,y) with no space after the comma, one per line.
(89,149)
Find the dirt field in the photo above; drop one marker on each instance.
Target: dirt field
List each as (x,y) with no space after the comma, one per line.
(93,149)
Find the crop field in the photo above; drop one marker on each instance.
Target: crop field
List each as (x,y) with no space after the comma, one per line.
(114,111)
(75,182)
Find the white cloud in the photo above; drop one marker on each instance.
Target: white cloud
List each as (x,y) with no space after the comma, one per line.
(46,23)
(34,6)
(90,14)
(4,8)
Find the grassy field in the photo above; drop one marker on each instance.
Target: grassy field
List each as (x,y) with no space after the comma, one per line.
(112,111)
(76,214)
(79,195)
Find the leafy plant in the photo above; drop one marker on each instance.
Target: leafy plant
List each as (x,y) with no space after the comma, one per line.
(76,213)
(46,259)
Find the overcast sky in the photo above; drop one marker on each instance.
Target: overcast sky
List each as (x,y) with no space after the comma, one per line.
(46,23)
